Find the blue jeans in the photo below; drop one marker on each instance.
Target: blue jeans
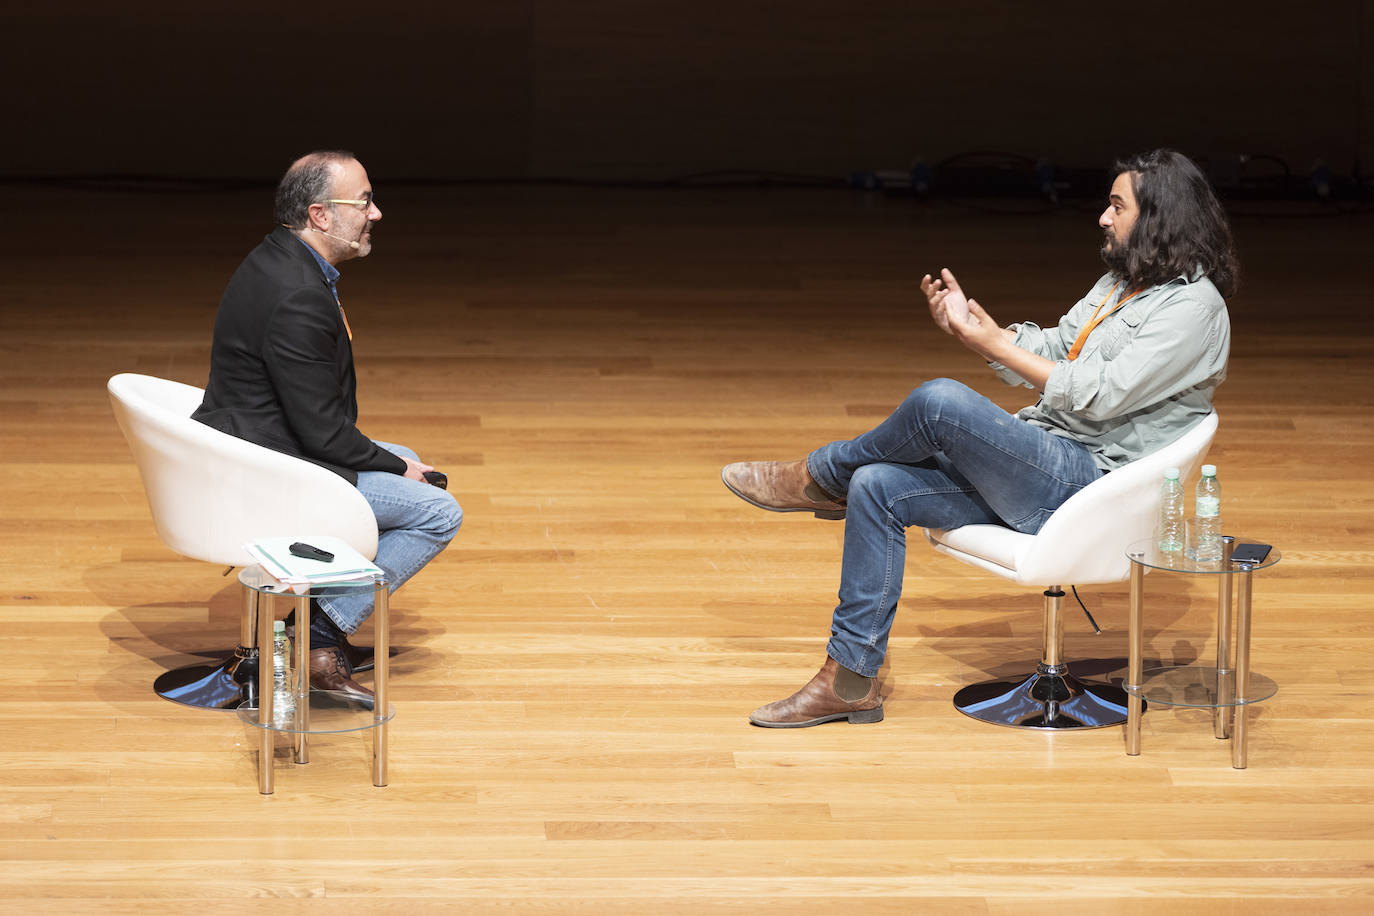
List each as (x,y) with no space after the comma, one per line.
(415,521)
(946,457)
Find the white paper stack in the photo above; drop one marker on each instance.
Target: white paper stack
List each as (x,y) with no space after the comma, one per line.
(275,557)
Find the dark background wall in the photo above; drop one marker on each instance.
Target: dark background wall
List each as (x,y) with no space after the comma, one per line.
(627,89)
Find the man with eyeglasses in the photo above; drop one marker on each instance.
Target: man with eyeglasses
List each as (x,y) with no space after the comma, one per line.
(281,375)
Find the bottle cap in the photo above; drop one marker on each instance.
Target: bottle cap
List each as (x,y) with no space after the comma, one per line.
(1171,474)
(1209,470)
(279,626)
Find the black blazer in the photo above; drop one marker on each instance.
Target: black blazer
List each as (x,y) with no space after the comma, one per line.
(281,366)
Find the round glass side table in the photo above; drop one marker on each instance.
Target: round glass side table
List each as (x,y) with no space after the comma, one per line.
(316,712)
(1224,689)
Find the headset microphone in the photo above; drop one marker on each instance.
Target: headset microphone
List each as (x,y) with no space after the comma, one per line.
(354,245)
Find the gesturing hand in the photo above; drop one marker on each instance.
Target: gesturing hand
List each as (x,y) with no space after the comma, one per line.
(948,304)
(979,332)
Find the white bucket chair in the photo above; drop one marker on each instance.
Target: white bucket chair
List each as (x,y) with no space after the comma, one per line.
(210,493)
(1082,543)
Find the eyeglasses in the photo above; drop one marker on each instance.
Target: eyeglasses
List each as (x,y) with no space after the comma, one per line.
(365,204)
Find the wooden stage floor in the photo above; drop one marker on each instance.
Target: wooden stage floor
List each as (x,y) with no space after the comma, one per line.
(576,670)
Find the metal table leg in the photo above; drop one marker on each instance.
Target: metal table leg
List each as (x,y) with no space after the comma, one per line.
(1222,713)
(266,740)
(1242,664)
(1137,641)
(382,654)
(302,685)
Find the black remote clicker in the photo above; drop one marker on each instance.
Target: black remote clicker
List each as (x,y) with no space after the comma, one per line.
(308,552)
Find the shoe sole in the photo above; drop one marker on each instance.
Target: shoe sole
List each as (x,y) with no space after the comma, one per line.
(344,696)
(856,717)
(828,514)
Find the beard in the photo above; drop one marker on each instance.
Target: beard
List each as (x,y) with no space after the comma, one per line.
(1115,256)
(362,235)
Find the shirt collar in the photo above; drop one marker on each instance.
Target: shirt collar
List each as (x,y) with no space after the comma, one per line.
(331,273)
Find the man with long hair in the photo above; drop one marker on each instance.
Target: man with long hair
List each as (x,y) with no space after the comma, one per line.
(1130,368)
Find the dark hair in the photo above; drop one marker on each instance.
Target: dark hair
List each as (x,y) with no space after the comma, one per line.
(309,180)
(1181,228)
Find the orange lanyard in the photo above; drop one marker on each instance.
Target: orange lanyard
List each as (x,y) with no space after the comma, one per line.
(1097,319)
(344,316)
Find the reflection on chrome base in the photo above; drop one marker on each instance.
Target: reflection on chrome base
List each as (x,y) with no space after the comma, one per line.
(228,685)
(1051,698)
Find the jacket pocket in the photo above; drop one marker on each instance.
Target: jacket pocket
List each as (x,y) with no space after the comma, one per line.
(1120,329)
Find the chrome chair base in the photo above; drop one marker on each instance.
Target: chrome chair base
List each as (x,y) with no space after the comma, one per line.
(228,685)
(1051,698)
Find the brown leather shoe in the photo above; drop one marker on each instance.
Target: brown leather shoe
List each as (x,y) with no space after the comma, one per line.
(817,702)
(780,486)
(360,658)
(329,671)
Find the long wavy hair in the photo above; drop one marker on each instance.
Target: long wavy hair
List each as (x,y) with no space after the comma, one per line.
(1181,228)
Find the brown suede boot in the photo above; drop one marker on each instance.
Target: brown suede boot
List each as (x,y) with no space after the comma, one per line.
(817,702)
(780,486)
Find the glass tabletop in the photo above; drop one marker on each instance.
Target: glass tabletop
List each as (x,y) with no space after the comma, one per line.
(256,578)
(1200,686)
(330,712)
(1147,553)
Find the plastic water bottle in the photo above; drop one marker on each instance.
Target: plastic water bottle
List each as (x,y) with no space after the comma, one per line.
(283,696)
(1171,513)
(1207,510)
